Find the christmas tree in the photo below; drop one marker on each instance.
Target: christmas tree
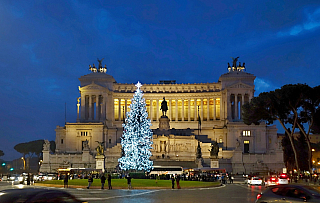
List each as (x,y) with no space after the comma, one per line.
(136,139)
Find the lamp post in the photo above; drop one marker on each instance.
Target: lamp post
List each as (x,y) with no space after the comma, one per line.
(24,163)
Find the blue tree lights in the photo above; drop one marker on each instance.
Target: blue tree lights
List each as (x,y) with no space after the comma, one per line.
(136,139)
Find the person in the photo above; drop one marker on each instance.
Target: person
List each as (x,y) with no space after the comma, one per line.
(230,179)
(178,181)
(90,181)
(65,181)
(28,179)
(103,180)
(109,182)
(172,181)
(129,181)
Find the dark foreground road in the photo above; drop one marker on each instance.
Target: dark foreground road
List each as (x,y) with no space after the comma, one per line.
(231,193)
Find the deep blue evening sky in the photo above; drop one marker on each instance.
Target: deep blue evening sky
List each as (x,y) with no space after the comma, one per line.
(45,46)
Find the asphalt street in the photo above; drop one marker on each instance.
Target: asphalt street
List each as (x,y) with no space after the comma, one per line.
(230,193)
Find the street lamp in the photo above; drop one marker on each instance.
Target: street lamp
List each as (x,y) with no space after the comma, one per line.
(24,163)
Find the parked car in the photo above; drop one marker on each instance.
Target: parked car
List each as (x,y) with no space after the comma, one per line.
(30,195)
(283,179)
(289,193)
(255,181)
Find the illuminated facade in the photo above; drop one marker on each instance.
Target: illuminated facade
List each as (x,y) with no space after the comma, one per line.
(103,102)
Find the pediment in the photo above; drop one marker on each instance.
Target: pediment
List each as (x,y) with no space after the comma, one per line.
(240,85)
(93,86)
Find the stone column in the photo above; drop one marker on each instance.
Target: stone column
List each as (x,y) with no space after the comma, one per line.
(176,110)
(125,108)
(189,109)
(90,107)
(158,108)
(150,115)
(214,109)
(195,110)
(228,106)
(182,110)
(201,109)
(83,106)
(119,111)
(208,109)
(236,107)
(97,108)
(170,111)
(242,105)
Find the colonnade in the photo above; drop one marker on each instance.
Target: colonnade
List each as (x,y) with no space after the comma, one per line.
(236,102)
(92,107)
(178,109)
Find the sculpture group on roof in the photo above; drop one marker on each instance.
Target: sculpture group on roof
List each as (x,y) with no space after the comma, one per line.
(236,67)
(100,69)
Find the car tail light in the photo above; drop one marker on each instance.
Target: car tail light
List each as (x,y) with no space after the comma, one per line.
(259,196)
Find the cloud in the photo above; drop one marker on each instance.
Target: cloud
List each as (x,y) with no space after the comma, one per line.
(312,22)
(262,85)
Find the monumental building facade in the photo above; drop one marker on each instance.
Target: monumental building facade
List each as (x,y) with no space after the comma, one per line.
(103,103)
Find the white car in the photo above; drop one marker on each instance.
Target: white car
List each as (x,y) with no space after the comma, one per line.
(255,181)
(283,179)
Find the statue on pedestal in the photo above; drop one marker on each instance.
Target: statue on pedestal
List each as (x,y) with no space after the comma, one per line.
(46,145)
(85,145)
(214,150)
(100,148)
(164,107)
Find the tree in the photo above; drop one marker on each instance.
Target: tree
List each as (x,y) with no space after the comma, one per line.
(296,105)
(136,139)
(302,147)
(32,148)
(288,155)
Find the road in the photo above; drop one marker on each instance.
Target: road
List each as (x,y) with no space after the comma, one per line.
(230,193)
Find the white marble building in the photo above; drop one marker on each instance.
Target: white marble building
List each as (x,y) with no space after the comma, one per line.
(103,102)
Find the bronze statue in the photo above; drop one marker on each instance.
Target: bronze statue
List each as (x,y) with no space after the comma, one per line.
(234,63)
(100,62)
(164,107)
(100,148)
(214,150)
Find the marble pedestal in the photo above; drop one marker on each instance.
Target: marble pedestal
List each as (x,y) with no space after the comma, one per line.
(100,162)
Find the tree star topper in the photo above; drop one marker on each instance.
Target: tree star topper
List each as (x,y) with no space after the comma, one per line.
(138,85)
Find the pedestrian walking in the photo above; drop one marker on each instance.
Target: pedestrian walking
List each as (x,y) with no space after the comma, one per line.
(28,179)
(178,181)
(90,181)
(172,181)
(65,181)
(103,180)
(109,182)
(129,181)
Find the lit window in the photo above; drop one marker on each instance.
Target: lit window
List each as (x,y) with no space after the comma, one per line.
(246,141)
(246,133)
(220,140)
